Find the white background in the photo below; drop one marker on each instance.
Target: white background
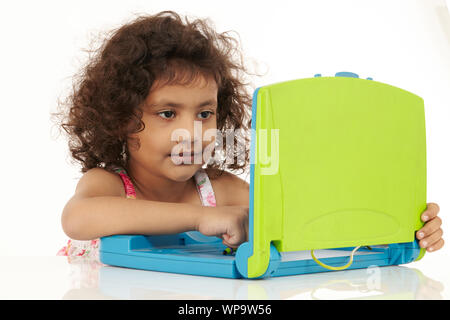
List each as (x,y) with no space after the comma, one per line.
(405,43)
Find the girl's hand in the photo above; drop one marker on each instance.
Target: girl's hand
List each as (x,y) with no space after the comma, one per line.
(430,235)
(227,222)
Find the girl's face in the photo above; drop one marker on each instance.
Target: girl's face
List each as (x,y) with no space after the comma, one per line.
(178,119)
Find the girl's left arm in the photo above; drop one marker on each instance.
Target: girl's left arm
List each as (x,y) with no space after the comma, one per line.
(430,235)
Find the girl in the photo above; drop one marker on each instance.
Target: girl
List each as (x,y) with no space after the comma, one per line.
(153,79)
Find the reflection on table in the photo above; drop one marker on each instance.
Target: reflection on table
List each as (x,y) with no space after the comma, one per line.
(92,280)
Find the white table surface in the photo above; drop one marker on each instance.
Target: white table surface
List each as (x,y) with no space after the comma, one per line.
(54,278)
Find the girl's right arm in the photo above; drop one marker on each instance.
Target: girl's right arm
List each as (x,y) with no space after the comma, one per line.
(99,208)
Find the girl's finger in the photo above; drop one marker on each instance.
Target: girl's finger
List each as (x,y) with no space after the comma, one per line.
(229,241)
(225,242)
(431,211)
(436,246)
(230,245)
(429,228)
(431,239)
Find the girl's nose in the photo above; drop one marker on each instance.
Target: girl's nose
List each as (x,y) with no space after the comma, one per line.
(192,132)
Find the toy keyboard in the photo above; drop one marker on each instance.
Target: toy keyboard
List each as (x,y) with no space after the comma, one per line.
(337,181)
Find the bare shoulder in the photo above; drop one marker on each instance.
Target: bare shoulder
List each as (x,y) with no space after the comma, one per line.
(229,189)
(97,182)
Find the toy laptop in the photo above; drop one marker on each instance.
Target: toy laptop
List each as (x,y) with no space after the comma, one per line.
(337,181)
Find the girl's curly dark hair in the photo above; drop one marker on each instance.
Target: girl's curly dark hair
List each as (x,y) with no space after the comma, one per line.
(103,107)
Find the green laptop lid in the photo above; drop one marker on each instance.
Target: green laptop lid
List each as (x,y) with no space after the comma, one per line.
(339,161)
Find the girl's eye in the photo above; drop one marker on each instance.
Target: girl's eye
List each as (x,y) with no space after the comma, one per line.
(207,114)
(167,114)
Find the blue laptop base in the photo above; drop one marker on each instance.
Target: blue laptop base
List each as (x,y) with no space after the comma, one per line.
(179,253)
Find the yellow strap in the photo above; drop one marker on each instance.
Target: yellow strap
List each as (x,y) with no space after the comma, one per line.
(335,268)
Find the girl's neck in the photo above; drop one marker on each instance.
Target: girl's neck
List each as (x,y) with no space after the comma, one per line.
(149,186)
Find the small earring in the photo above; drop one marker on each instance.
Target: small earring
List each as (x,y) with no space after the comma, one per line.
(124,149)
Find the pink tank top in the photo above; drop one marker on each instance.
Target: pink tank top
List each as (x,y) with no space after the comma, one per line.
(89,249)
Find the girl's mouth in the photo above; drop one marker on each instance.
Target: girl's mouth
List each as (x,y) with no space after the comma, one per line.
(188,157)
